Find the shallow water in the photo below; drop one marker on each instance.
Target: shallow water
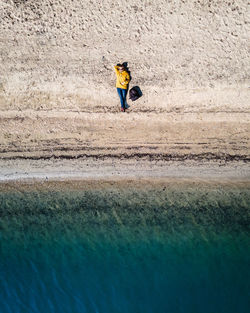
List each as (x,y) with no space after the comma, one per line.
(178,249)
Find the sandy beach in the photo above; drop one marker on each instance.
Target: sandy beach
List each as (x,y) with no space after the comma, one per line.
(104,145)
(59,109)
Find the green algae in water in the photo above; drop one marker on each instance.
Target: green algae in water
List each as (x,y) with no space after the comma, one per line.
(133,250)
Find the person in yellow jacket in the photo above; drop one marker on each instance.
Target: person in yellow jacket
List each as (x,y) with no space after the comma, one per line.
(122,81)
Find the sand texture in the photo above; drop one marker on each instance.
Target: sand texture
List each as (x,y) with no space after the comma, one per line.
(57,86)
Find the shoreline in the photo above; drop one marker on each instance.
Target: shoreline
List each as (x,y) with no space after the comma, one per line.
(127,169)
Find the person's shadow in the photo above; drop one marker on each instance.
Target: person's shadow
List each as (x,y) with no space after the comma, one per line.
(125,64)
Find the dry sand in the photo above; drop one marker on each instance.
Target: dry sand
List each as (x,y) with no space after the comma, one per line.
(58,101)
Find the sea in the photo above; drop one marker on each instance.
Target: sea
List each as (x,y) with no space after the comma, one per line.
(125,248)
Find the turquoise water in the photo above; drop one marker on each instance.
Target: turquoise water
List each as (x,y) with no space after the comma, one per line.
(113,250)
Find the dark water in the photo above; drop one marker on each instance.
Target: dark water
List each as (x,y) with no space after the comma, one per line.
(159,250)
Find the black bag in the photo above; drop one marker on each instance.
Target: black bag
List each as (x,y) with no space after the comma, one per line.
(134,93)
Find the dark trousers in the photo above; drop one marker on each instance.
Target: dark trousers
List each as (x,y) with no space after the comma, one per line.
(122,94)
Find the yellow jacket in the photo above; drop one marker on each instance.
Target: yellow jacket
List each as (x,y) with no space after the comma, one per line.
(122,78)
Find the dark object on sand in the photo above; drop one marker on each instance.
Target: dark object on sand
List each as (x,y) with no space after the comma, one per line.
(135,93)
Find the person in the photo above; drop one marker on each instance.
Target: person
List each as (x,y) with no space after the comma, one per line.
(122,81)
